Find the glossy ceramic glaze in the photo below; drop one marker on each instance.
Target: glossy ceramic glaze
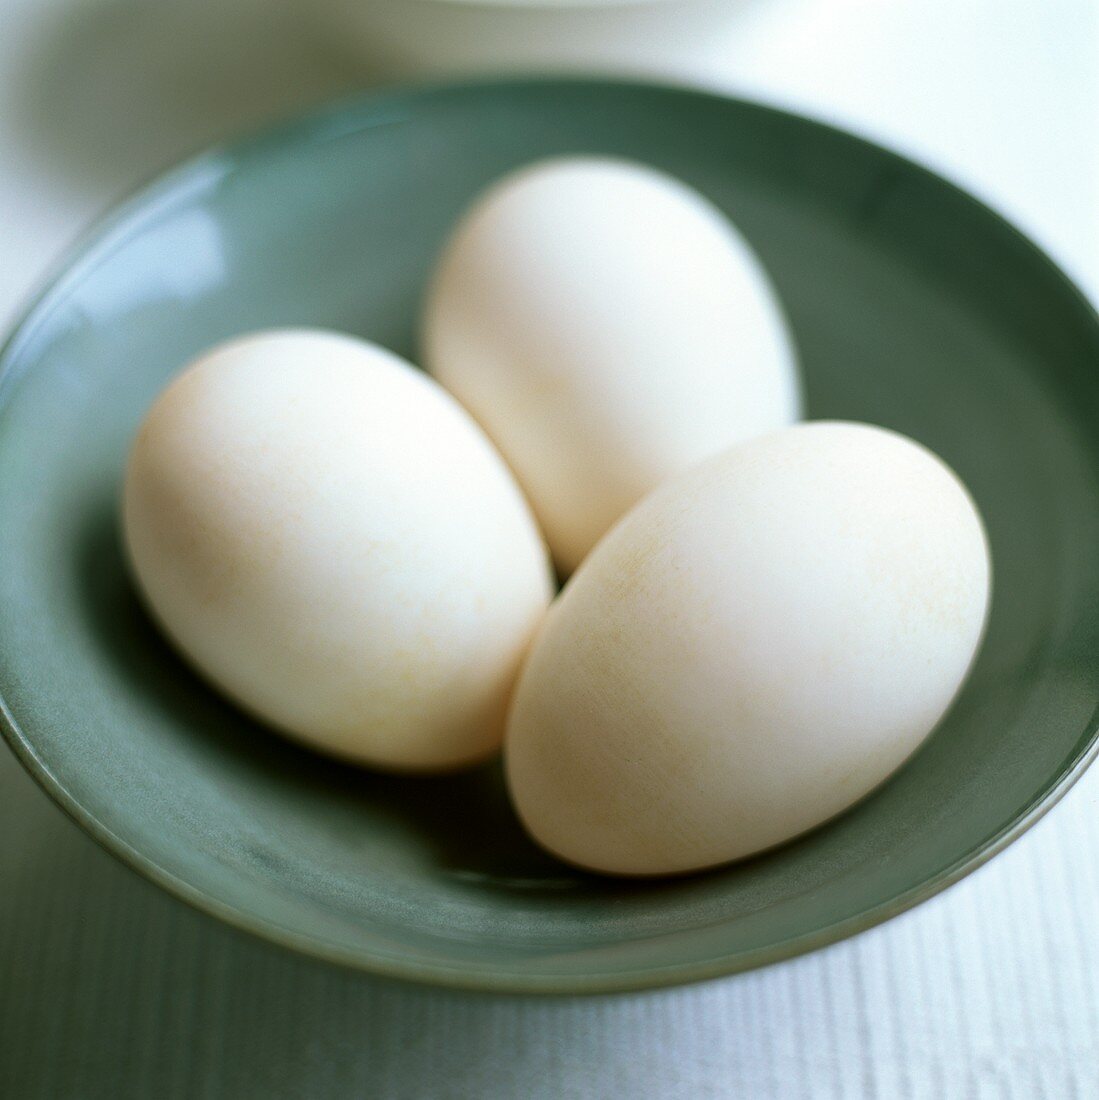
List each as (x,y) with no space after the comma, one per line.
(913,307)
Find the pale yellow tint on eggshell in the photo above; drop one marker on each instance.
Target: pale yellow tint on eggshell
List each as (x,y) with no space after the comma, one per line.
(331,539)
(756,646)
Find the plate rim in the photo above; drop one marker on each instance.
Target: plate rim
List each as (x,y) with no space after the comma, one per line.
(351,115)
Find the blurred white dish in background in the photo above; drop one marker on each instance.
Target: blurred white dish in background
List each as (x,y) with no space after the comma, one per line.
(609,327)
(416,37)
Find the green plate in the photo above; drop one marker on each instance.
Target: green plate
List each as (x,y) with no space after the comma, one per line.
(914,307)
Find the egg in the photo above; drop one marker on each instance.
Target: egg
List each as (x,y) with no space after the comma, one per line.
(752,649)
(333,542)
(608,327)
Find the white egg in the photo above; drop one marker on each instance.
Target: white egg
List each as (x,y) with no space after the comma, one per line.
(608,327)
(331,539)
(756,646)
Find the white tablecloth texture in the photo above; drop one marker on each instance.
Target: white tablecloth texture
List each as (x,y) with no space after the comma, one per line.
(110,989)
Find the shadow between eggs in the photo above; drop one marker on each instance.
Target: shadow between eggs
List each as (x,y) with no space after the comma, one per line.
(462,824)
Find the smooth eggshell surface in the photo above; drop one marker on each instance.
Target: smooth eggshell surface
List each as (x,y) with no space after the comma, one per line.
(608,327)
(330,538)
(756,646)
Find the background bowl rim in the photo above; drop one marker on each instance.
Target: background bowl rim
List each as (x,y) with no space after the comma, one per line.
(353,114)
(543,6)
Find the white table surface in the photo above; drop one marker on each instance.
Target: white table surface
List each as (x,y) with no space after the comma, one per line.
(108,988)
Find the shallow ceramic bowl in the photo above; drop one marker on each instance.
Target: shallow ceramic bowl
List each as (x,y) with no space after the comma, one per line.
(913,306)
